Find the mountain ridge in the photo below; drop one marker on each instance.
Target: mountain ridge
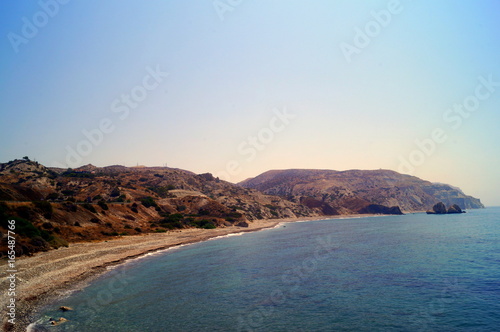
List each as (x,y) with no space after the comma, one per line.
(347,190)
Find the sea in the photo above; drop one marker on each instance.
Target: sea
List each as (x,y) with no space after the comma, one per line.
(414,272)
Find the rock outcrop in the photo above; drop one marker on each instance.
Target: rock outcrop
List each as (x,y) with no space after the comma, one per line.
(353,190)
(440,208)
(380,209)
(455,209)
(65,308)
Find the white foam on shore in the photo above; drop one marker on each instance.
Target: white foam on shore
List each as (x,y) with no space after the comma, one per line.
(226,236)
(32,326)
(148,254)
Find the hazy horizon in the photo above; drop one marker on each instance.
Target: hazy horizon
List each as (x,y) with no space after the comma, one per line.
(236,88)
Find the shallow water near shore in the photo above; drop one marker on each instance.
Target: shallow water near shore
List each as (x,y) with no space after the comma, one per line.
(391,273)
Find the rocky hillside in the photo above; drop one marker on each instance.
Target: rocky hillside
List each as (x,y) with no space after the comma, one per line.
(53,206)
(357,190)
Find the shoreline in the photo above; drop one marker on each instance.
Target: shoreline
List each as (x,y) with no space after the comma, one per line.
(47,276)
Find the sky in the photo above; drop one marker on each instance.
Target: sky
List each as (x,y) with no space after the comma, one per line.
(239,87)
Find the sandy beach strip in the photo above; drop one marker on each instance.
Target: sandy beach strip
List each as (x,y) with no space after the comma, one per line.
(47,275)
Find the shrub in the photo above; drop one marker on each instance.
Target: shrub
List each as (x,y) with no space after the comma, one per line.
(51,174)
(203,212)
(110,234)
(115,192)
(74,174)
(174,217)
(103,205)
(172,221)
(39,242)
(70,207)
(47,225)
(162,191)
(52,197)
(95,220)
(25,212)
(26,228)
(89,207)
(234,215)
(148,202)
(68,192)
(44,207)
(138,230)
(204,223)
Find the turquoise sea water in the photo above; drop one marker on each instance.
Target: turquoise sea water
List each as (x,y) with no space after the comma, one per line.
(414,272)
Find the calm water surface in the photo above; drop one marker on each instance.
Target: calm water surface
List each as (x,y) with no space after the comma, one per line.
(397,273)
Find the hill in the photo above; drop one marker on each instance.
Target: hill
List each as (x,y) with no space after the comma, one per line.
(53,206)
(358,191)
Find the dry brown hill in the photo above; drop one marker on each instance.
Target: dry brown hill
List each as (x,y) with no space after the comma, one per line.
(355,190)
(52,206)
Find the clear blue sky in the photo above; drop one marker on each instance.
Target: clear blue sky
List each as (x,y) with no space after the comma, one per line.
(359,80)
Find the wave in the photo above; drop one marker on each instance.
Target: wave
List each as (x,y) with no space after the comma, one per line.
(148,254)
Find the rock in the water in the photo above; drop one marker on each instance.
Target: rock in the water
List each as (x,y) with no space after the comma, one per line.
(57,322)
(439,208)
(455,209)
(64,308)
(380,209)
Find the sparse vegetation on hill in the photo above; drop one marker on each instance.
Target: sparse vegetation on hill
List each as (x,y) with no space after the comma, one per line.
(92,203)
